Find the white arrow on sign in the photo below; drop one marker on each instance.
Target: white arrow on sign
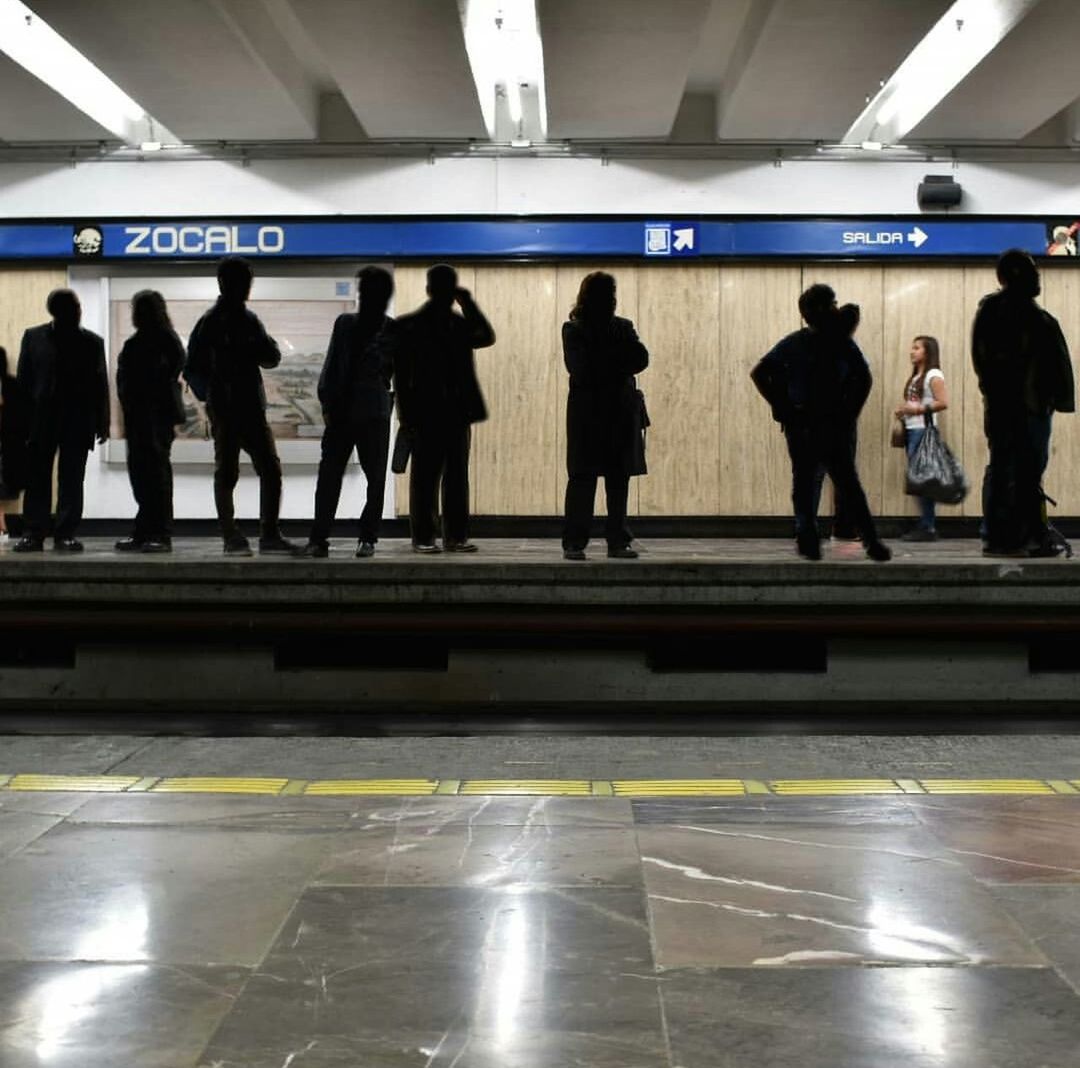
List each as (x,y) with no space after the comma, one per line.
(683,239)
(918,237)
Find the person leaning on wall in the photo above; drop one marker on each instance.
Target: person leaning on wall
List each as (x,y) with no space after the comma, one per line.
(354,391)
(63,379)
(1025,375)
(148,387)
(924,394)
(13,434)
(816,382)
(226,353)
(438,401)
(604,415)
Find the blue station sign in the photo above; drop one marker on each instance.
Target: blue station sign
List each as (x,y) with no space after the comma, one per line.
(540,238)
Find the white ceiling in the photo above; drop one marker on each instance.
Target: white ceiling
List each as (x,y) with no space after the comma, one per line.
(773,71)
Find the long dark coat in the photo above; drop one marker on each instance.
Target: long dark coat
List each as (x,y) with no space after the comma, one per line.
(603,411)
(38,357)
(14,430)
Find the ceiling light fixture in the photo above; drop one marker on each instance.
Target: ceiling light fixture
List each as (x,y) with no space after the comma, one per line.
(502,38)
(961,39)
(38,48)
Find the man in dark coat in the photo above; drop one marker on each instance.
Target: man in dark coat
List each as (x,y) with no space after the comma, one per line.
(13,434)
(62,378)
(226,352)
(438,400)
(1025,375)
(816,381)
(354,391)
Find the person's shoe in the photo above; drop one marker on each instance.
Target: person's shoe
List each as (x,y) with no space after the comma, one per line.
(156,545)
(428,547)
(28,544)
(365,549)
(621,552)
(1045,550)
(237,545)
(316,550)
(1004,553)
(809,546)
(879,551)
(276,545)
(460,546)
(845,534)
(68,545)
(129,545)
(573,554)
(919,534)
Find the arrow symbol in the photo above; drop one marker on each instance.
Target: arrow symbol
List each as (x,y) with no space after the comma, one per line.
(918,237)
(685,239)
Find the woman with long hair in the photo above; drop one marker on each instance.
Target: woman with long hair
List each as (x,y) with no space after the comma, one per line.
(147,383)
(924,394)
(604,415)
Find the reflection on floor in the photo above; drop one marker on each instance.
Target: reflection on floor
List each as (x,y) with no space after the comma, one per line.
(175,931)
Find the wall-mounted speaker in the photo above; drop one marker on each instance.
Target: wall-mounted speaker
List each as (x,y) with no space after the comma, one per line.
(939,191)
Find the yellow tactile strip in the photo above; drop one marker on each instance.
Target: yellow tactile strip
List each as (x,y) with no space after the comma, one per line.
(214,784)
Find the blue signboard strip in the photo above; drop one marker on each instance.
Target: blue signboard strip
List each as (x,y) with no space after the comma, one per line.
(521,238)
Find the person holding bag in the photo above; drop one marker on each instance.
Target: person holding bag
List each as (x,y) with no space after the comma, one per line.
(605,416)
(924,394)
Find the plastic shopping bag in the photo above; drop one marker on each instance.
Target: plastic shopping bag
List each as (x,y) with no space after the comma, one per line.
(934,472)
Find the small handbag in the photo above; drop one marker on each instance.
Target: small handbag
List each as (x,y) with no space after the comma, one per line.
(898,437)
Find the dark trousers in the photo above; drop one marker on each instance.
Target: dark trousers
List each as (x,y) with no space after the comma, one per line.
(71,470)
(580,499)
(371,439)
(1019,446)
(440,454)
(233,431)
(843,523)
(150,471)
(814,447)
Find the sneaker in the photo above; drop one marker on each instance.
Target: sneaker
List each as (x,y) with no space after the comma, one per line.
(919,534)
(276,545)
(237,545)
(68,545)
(621,552)
(316,550)
(879,551)
(809,546)
(28,544)
(573,554)
(365,549)
(425,547)
(129,545)
(460,546)
(156,545)
(1046,550)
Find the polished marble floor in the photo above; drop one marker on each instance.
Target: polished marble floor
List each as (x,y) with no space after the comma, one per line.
(187,931)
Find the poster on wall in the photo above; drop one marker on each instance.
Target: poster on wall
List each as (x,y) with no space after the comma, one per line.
(298,313)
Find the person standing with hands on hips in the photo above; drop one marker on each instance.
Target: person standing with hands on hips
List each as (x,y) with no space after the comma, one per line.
(226,353)
(438,400)
(62,377)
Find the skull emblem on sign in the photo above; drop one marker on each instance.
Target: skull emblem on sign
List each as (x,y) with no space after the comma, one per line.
(88,241)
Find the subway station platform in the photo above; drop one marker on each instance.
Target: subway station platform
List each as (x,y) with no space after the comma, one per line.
(695,624)
(182,925)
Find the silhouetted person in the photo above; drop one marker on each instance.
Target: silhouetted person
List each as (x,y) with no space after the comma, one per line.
(63,379)
(438,400)
(148,387)
(354,390)
(816,381)
(14,430)
(844,528)
(226,352)
(1025,375)
(603,415)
